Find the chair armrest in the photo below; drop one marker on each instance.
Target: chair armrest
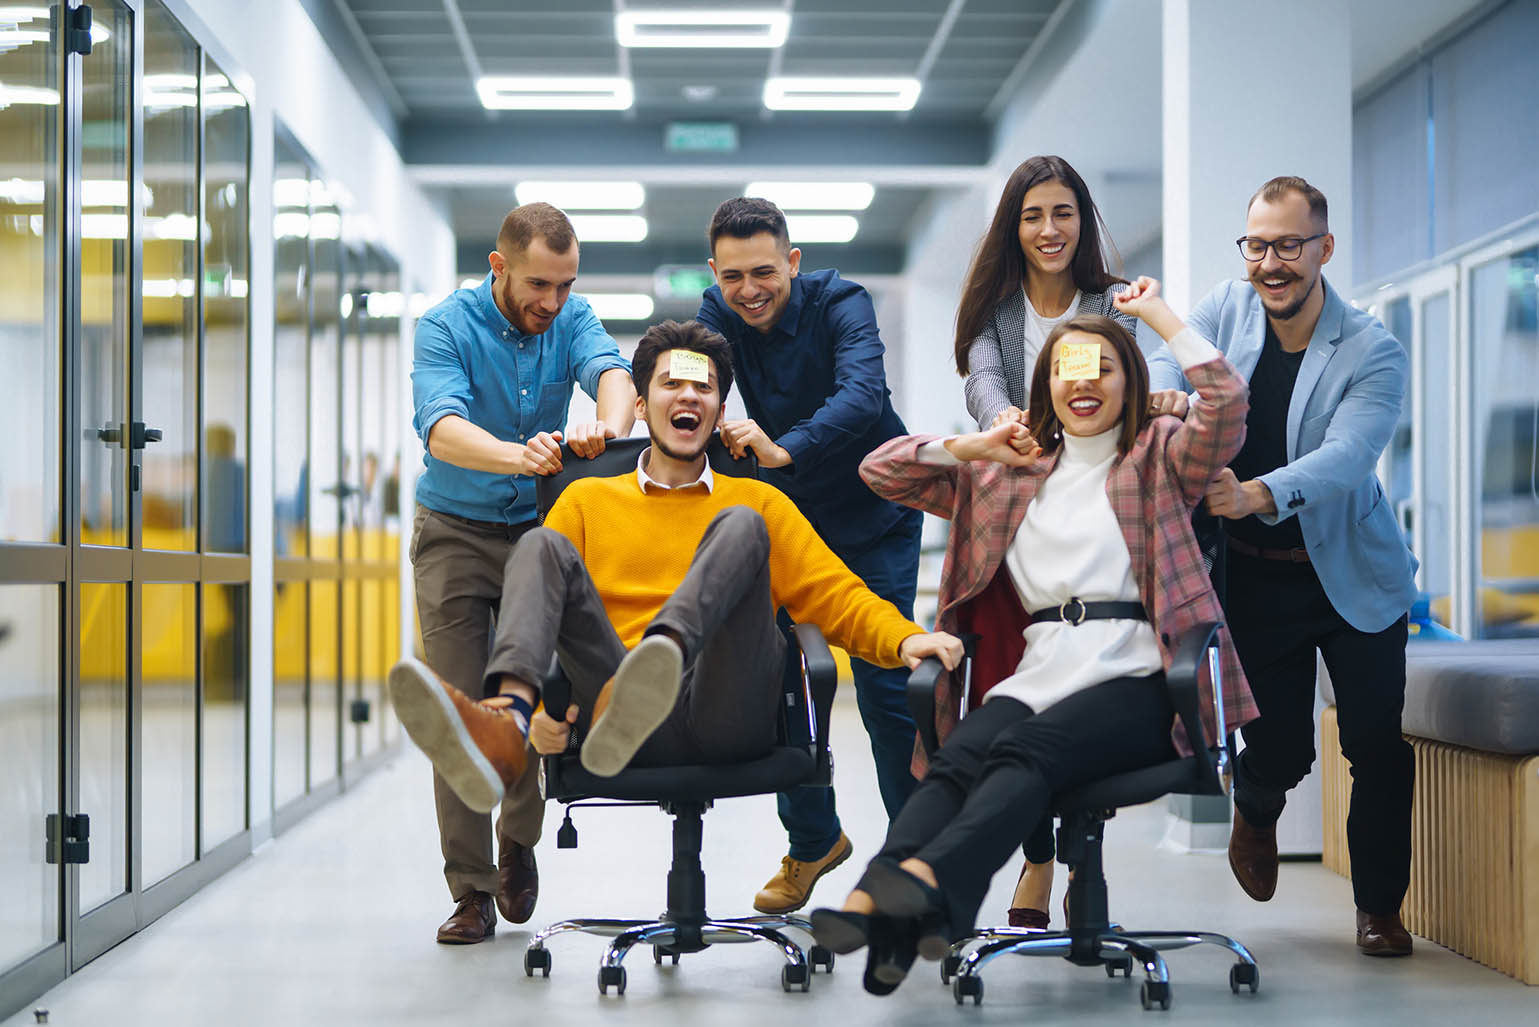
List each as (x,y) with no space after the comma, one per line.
(1191,653)
(921,701)
(822,676)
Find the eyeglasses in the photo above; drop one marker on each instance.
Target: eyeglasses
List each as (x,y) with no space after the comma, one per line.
(1287,248)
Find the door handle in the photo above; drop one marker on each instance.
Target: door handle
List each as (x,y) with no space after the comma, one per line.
(139,435)
(109,433)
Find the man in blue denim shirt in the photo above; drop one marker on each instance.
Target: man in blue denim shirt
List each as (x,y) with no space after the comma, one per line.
(492,376)
(808,357)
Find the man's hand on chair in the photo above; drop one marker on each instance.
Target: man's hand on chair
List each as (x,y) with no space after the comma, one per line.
(945,648)
(587,440)
(549,735)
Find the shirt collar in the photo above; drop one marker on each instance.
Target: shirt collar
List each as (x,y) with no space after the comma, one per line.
(707,477)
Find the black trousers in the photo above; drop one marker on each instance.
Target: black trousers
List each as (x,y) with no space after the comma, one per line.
(1279,615)
(998,772)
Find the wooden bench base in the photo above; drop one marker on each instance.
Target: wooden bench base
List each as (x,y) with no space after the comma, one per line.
(1474,848)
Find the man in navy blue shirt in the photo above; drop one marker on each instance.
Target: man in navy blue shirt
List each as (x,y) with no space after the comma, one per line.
(808,358)
(492,376)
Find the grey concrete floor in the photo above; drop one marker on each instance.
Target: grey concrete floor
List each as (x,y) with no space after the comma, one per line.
(333,923)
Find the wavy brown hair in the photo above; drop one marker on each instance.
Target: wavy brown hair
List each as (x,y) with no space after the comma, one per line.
(1043,420)
(998,265)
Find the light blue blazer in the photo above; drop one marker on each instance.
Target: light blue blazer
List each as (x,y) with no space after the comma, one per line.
(1346,401)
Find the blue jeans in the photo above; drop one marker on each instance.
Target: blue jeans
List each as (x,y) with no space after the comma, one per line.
(889,567)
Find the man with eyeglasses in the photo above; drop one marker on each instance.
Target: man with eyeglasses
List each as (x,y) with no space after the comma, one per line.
(1316,560)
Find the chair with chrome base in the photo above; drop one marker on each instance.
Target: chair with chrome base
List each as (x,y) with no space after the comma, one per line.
(800,758)
(1091,939)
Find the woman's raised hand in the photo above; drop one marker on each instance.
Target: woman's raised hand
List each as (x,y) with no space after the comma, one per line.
(1142,300)
(1009,442)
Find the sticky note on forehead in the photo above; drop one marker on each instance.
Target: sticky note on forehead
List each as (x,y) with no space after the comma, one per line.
(686,365)
(1079,361)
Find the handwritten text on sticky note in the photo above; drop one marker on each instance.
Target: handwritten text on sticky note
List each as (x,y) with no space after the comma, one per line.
(689,366)
(1079,361)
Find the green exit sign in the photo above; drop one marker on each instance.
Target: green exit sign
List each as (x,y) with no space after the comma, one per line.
(681,281)
(701,137)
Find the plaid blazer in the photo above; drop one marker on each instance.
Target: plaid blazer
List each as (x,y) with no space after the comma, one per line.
(1152,490)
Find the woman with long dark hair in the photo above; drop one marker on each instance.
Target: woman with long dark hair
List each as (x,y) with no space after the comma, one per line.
(1041,263)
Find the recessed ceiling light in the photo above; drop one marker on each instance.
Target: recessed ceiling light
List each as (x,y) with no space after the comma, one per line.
(703,28)
(821,228)
(609,227)
(701,93)
(583,195)
(814,195)
(555,92)
(620,306)
(794,93)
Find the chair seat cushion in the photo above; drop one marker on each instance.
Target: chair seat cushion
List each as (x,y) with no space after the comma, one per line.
(1181,777)
(783,768)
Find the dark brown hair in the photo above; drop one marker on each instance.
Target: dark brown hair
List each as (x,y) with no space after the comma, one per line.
(744,217)
(532,221)
(1282,185)
(690,335)
(998,265)
(1043,420)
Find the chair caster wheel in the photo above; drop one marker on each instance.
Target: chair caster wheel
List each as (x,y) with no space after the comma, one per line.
(536,959)
(611,975)
(1125,964)
(949,967)
(795,978)
(819,956)
(962,986)
(1247,974)
(659,951)
(1155,993)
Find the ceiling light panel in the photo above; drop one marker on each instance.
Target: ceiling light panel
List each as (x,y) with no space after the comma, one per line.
(763,30)
(805,228)
(620,306)
(814,195)
(796,93)
(609,227)
(555,93)
(583,195)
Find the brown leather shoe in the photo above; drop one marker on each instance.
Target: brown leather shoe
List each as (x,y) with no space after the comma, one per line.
(478,748)
(1253,857)
(518,881)
(471,921)
(1382,935)
(791,886)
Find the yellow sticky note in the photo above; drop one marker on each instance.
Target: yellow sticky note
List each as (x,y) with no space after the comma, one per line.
(1079,361)
(686,365)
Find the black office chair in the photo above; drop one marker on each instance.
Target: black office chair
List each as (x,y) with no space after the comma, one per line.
(800,758)
(1091,939)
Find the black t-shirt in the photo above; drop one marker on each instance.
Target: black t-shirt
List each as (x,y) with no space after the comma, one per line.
(1266,440)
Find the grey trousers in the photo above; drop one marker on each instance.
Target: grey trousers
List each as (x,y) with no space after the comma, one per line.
(734,655)
(457,568)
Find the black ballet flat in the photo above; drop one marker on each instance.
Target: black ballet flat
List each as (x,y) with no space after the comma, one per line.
(890,953)
(839,931)
(902,896)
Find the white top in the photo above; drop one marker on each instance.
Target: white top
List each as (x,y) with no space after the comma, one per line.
(647,482)
(1037,330)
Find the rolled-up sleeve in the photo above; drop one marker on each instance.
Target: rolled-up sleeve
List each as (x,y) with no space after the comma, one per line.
(592,350)
(440,383)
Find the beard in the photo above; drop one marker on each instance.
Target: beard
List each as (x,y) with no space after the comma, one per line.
(679,455)
(1290,311)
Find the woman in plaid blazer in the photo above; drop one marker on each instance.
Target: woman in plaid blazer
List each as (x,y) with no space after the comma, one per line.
(1103,506)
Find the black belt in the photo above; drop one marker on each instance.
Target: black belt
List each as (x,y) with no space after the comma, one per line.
(1295,555)
(1077,611)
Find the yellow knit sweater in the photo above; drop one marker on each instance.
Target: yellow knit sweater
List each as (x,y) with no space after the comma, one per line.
(638,546)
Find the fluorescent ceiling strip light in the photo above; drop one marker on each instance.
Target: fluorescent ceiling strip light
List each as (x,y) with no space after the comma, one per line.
(583,195)
(794,93)
(620,306)
(814,195)
(555,93)
(821,228)
(609,227)
(763,30)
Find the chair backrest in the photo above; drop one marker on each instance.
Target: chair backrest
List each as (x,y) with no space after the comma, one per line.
(619,457)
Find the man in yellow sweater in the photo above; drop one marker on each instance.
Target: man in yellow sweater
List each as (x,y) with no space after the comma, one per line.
(657,590)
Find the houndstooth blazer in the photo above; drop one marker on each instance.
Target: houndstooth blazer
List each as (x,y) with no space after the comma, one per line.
(996,360)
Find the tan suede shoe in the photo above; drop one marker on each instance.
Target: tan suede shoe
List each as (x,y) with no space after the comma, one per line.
(477,747)
(791,887)
(633,704)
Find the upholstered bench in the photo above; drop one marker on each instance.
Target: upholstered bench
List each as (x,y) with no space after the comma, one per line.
(1472,715)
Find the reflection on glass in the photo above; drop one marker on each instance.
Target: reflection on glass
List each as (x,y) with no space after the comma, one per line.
(29,766)
(29,289)
(226,165)
(226,667)
(170,301)
(359,280)
(325,685)
(106,88)
(352,662)
(290,621)
(325,482)
(169,732)
(1504,306)
(1436,454)
(372,667)
(1397,318)
(291,315)
(391,727)
(104,739)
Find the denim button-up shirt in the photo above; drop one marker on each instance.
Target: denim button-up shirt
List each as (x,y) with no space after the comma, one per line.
(468,360)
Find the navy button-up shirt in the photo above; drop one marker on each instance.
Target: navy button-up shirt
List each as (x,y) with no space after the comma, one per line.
(816,384)
(469,360)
